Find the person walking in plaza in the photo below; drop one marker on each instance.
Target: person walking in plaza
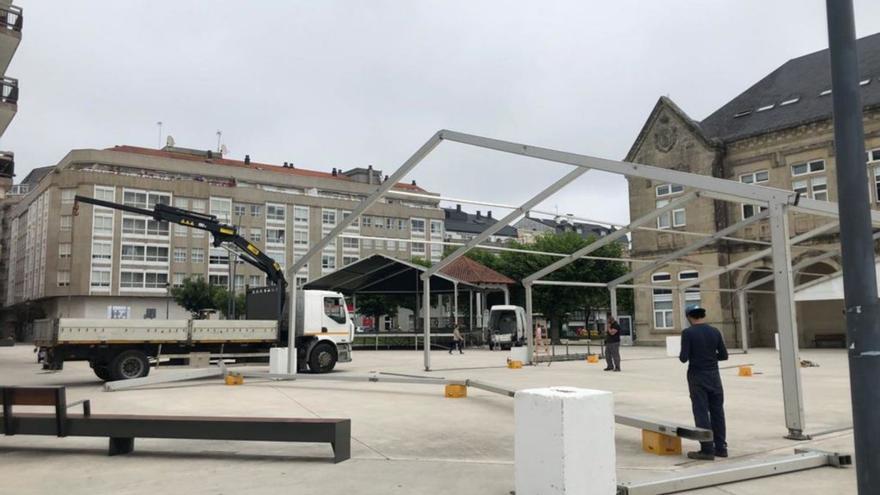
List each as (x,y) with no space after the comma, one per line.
(612,344)
(702,346)
(457,340)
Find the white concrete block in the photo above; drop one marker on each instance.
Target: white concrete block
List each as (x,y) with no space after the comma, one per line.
(519,354)
(278,361)
(564,442)
(776,339)
(673,346)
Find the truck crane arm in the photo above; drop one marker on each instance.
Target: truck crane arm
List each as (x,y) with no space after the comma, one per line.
(221,233)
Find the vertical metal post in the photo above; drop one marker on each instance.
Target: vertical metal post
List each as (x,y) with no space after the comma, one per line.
(786,322)
(506,295)
(455,304)
(530,327)
(471,310)
(743,319)
(857,246)
(679,315)
(291,325)
(426,309)
(612,293)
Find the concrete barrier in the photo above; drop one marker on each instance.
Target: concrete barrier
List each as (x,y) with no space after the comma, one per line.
(564,442)
(278,361)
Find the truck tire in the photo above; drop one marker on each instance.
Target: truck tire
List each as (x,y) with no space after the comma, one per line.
(322,359)
(129,364)
(103,373)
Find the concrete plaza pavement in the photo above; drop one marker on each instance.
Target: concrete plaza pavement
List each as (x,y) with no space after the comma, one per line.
(409,438)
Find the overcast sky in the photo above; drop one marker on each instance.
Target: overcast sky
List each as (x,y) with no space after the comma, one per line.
(350,83)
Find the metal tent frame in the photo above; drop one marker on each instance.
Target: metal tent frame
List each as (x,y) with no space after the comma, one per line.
(778,204)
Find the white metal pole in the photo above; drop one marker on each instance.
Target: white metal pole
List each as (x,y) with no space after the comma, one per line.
(530,324)
(426,310)
(291,328)
(612,292)
(506,294)
(786,322)
(743,320)
(455,304)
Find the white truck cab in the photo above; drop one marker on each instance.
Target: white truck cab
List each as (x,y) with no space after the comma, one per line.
(324,329)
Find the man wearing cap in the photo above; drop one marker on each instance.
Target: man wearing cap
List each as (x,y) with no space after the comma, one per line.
(702,347)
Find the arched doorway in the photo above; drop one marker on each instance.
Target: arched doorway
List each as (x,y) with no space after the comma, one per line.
(761,311)
(820,323)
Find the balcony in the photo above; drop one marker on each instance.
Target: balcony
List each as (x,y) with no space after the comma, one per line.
(10,33)
(8,101)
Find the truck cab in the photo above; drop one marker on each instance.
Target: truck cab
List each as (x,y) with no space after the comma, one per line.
(507,326)
(324,330)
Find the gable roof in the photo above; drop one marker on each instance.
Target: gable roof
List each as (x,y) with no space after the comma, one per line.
(457,220)
(252,165)
(665,103)
(803,78)
(475,273)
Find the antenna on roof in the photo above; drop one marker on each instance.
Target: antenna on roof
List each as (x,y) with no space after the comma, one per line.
(219,135)
(159,140)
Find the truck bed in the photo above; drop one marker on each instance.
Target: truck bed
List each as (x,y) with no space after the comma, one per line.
(61,331)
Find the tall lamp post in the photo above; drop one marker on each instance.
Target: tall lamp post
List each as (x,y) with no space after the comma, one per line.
(856,243)
(167,298)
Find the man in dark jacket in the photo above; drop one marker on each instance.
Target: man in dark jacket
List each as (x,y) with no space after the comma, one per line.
(702,347)
(612,345)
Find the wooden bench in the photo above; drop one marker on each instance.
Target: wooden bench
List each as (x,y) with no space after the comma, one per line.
(122,429)
(837,339)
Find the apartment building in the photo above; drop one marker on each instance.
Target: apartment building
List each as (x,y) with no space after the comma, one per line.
(62,258)
(777,133)
(462,226)
(529,227)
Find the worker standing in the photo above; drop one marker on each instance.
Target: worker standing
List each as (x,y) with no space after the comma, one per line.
(702,346)
(457,340)
(612,344)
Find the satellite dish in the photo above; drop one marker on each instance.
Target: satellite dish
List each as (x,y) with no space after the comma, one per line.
(169,141)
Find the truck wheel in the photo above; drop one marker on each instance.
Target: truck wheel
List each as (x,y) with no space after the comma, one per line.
(322,358)
(129,364)
(103,373)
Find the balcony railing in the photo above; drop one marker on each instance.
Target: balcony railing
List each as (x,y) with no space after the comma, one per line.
(9,90)
(11,18)
(19,190)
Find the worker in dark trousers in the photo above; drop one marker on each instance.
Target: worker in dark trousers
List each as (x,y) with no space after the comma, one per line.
(702,347)
(612,344)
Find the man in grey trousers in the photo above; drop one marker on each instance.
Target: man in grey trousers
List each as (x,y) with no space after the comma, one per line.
(612,344)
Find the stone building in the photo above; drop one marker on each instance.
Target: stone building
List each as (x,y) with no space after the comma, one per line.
(776,133)
(65,259)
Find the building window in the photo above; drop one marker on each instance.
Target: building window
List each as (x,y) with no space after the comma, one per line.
(102,225)
(256,210)
(101,251)
(131,252)
(199,205)
(347,260)
(349,243)
(63,278)
(157,228)
(218,280)
(131,280)
(279,256)
(197,255)
(256,235)
(328,217)
(301,281)
(301,214)
(66,222)
(301,237)
(135,226)
(134,198)
(238,282)
(755,177)
(691,294)
(367,221)
(662,300)
(380,244)
(100,278)
(221,208)
(67,196)
(401,224)
(157,254)
(254,280)
(417,226)
(155,198)
(679,218)
(367,243)
(178,279)
(239,210)
(815,187)
(218,256)
(64,250)
(155,280)
(808,167)
(275,212)
(392,245)
(749,211)
(872,155)
(668,190)
(664,221)
(328,262)
(418,248)
(179,255)
(105,193)
(274,236)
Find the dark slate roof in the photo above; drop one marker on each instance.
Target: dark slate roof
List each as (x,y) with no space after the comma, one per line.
(36,175)
(379,273)
(462,221)
(804,78)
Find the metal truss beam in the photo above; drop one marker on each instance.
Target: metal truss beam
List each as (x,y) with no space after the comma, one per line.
(613,237)
(688,249)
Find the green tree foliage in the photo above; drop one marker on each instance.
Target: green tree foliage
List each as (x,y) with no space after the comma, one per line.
(377,306)
(197,294)
(555,302)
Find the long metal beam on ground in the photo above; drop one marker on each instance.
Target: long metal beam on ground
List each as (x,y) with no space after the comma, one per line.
(688,249)
(758,256)
(613,237)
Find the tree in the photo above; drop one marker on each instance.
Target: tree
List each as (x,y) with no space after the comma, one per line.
(221,301)
(196,294)
(556,302)
(377,306)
